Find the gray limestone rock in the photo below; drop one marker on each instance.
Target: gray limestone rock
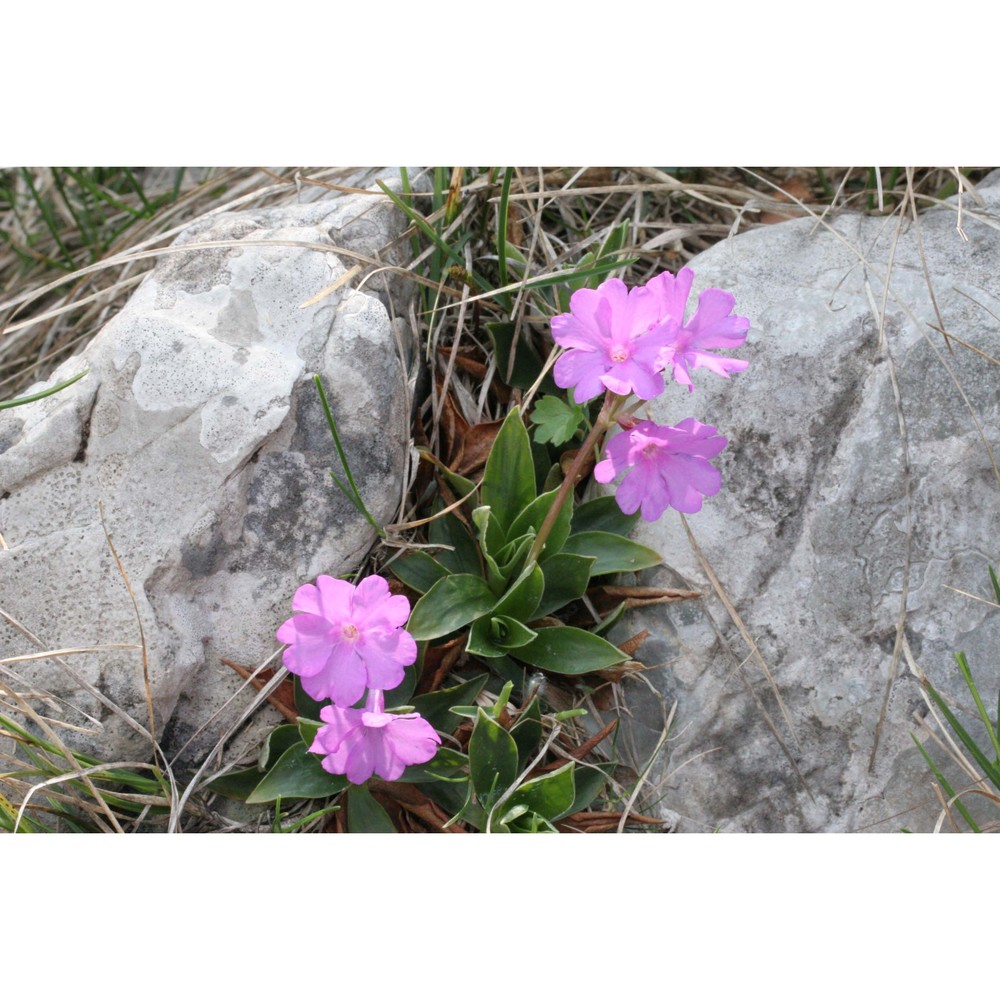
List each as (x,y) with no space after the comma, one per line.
(828,516)
(200,431)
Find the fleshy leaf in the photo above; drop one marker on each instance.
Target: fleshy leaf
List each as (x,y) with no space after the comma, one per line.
(278,741)
(434,706)
(613,553)
(549,795)
(567,650)
(509,478)
(492,759)
(527,732)
(566,579)
(522,599)
(364,814)
(298,774)
(449,605)
(603,514)
(534,514)
(418,571)
(449,530)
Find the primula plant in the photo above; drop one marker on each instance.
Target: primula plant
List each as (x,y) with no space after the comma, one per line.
(497,588)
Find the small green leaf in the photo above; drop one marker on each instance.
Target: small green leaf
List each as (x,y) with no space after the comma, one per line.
(236,784)
(449,530)
(589,782)
(566,579)
(522,598)
(400,694)
(567,650)
(556,421)
(509,633)
(511,559)
(308,708)
(613,553)
(278,741)
(492,759)
(533,515)
(481,640)
(492,537)
(434,706)
(527,732)
(364,814)
(298,774)
(550,795)
(418,571)
(509,478)
(603,514)
(445,764)
(449,605)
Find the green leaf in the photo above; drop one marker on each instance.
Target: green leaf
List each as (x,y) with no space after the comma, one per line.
(492,759)
(481,641)
(527,365)
(449,530)
(364,814)
(511,558)
(509,633)
(589,782)
(449,605)
(308,730)
(613,553)
(509,478)
(522,599)
(603,514)
(278,741)
(236,784)
(530,519)
(567,650)
(400,694)
(298,774)
(492,537)
(418,571)
(434,706)
(445,764)
(556,421)
(549,795)
(527,732)
(308,708)
(566,579)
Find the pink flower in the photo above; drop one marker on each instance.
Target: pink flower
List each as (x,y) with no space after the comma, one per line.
(360,742)
(347,638)
(664,466)
(610,344)
(710,326)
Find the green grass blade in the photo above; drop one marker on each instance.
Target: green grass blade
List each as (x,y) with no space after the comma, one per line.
(352,494)
(963,665)
(101,193)
(418,220)
(7,404)
(49,219)
(601,267)
(942,781)
(87,233)
(992,770)
(502,213)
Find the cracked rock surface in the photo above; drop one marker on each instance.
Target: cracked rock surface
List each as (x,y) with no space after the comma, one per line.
(200,431)
(830,521)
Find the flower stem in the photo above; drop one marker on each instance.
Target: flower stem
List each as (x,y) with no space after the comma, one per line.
(604,420)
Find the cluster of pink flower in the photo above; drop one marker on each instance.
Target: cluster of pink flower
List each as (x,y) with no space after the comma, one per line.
(345,640)
(622,341)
